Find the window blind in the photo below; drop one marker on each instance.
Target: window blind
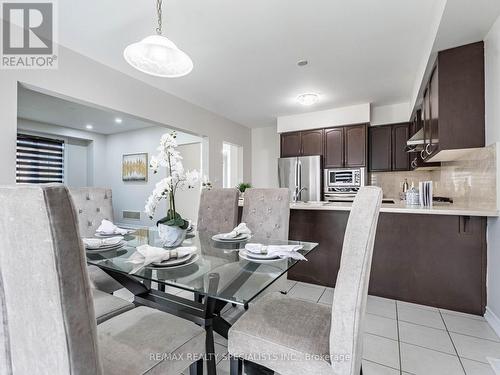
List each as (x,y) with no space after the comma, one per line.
(39,160)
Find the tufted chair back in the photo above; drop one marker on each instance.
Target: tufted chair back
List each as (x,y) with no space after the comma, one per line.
(267,213)
(218,211)
(50,328)
(92,205)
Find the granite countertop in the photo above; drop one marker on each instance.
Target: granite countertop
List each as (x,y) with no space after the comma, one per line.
(400,207)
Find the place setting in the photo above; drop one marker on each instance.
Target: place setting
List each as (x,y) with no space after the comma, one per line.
(98,245)
(147,256)
(259,253)
(239,234)
(108,229)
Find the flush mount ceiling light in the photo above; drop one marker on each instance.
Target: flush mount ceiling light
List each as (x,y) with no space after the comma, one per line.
(89,126)
(308,99)
(157,55)
(118,120)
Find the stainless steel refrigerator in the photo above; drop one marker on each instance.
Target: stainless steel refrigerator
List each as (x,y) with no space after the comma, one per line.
(302,176)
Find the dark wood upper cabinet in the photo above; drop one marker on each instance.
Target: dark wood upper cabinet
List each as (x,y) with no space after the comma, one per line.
(290,144)
(400,158)
(334,148)
(434,107)
(380,148)
(355,146)
(341,146)
(453,103)
(312,142)
(386,144)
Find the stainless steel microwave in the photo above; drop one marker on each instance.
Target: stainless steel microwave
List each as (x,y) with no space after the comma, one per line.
(346,180)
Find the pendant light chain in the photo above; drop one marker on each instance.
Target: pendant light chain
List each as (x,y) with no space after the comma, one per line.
(158,11)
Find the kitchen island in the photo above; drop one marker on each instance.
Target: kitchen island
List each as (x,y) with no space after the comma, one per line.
(432,256)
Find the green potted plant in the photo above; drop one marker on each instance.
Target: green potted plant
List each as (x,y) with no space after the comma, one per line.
(172,228)
(242,186)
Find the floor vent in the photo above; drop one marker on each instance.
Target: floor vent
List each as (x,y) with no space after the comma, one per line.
(133,215)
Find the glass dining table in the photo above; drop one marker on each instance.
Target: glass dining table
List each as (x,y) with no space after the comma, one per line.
(216,274)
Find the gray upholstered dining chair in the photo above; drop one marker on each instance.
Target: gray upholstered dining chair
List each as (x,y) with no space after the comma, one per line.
(291,336)
(218,212)
(267,213)
(92,205)
(48,319)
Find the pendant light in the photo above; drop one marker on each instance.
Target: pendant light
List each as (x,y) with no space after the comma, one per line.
(157,55)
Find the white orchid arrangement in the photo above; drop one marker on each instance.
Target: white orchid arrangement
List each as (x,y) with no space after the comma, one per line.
(177,178)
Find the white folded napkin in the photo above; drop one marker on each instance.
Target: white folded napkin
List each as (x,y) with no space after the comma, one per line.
(240,229)
(146,254)
(107,227)
(95,243)
(281,251)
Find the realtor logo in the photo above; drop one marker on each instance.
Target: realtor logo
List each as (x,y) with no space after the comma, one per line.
(28,35)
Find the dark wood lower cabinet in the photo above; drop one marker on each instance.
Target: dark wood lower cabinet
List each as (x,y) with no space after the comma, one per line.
(435,260)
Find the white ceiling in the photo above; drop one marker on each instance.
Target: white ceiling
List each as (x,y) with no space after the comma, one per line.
(47,109)
(245,52)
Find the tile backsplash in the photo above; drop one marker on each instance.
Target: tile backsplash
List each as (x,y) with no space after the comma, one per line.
(470,181)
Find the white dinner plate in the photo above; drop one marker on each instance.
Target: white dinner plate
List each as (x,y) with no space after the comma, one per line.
(104,235)
(193,259)
(244,255)
(220,237)
(106,248)
(173,262)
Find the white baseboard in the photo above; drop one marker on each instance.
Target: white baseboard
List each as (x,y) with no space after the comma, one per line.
(493,320)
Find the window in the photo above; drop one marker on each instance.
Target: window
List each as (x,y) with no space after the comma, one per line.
(39,160)
(232,161)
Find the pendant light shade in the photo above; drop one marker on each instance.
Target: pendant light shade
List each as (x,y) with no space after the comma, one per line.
(158,56)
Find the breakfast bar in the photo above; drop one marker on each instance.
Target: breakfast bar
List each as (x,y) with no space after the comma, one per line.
(435,256)
(431,256)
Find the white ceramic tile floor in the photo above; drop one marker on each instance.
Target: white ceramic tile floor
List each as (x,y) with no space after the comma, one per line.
(306,292)
(401,338)
(381,350)
(426,337)
(470,327)
(381,306)
(327,297)
(474,348)
(421,316)
(477,368)
(381,326)
(418,360)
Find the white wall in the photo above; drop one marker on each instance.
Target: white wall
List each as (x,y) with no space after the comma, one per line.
(233,165)
(187,202)
(76,158)
(265,154)
(390,114)
(355,114)
(82,79)
(492,81)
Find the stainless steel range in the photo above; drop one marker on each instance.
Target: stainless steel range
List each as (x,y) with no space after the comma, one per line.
(343,184)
